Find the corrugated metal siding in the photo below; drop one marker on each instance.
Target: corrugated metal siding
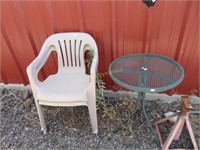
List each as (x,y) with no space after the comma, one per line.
(170,28)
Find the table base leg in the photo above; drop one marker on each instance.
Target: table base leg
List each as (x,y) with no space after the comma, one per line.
(147,119)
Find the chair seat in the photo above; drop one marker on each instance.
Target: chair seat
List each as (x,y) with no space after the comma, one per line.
(64,87)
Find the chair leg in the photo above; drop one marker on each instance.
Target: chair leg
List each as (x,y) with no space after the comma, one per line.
(41,117)
(93,113)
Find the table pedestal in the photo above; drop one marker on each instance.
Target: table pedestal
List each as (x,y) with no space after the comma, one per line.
(141,99)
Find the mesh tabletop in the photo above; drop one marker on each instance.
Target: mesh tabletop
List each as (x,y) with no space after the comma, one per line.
(146,72)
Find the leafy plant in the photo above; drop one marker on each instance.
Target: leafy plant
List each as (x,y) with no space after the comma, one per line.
(107,111)
(130,124)
(100,84)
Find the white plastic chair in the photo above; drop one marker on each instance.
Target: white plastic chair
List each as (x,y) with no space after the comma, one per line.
(70,86)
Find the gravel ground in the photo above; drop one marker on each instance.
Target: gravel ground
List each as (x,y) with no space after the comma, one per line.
(69,127)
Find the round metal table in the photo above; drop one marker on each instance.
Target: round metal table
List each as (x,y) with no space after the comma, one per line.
(146,73)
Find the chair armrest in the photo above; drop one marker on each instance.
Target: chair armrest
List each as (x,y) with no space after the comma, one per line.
(32,73)
(37,64)
(93,71)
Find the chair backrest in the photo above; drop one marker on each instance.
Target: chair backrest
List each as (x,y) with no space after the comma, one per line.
(70,48)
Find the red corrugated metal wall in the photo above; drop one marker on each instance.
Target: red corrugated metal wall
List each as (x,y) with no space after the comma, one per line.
(170,28)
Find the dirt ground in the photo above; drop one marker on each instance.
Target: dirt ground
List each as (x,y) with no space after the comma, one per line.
(69,127)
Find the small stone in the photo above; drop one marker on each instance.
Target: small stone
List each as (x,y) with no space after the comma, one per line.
(159,102)
(157,115)
(164,105)
(33,109)
(71,130)
(27,128)
(109,137)
(7,145)
(1,106)
(28,145)
(28,102)
(163,129)
(18,145)
(174,119)
(2,138)
(1,92)
(43,145)
(25,94)
(20,107)
(128,143)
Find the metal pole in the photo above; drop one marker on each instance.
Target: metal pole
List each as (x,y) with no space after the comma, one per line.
(142,96)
